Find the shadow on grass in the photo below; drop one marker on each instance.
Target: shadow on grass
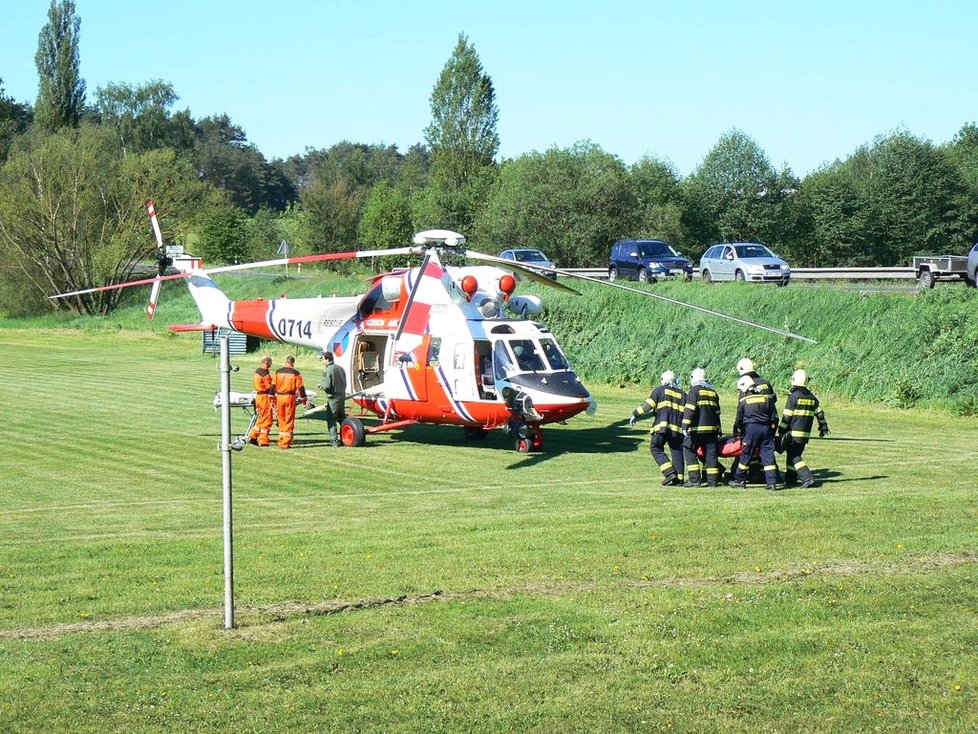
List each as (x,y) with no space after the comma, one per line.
(863,440)
(830,476)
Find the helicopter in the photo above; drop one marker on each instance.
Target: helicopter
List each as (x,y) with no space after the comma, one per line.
(437,343)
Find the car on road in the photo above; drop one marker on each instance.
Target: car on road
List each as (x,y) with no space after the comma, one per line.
(647,261)
(743,261)
(973,266)
(534,259)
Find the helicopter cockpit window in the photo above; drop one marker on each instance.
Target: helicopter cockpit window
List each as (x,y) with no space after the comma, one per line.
(527,355)
(502,361)
(554,356)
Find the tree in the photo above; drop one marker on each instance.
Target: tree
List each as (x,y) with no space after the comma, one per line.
(839,234)
(462,135)
(913,191)
(224,236)
(15,118)
(735,194)
(229,162)
(142,117)
(72,212)
(386,220)
(61,92)
(658,194)
(571,203)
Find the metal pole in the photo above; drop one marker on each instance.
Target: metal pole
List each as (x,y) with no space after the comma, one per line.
(226,472)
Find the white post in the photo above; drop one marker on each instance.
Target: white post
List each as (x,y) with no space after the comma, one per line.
(226,472)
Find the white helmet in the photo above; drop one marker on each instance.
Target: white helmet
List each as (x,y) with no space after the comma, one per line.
(668,377)
(744,366)
(799,378)
(745,383)
(698,375)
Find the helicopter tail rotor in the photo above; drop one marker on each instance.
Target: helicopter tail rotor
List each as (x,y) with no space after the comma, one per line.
(162,260)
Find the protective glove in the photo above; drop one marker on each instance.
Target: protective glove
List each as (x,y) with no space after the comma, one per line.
(685,433)
(631,421)
(823,431)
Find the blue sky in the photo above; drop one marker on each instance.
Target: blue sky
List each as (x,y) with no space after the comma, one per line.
(809,81)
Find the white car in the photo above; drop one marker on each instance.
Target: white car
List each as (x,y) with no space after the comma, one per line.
(743,261)
(533,258)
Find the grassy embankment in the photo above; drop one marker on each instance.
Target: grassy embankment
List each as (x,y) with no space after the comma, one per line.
(902,349)
(426,584)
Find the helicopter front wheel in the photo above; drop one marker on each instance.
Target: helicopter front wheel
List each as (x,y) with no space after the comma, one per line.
(352,433)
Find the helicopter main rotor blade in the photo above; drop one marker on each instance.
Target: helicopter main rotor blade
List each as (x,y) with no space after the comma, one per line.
(677,302)
(530,273)
(356,254)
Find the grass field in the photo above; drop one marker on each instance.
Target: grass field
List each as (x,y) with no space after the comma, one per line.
(425,584)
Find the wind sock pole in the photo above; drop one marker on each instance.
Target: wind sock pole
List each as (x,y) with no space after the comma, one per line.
(226,471)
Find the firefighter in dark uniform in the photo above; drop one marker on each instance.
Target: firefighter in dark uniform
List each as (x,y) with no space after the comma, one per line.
(745,368)
(756,419)
(667,402)
(800,411)
(701,427)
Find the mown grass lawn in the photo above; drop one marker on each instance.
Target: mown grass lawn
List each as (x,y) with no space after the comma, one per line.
(425,584)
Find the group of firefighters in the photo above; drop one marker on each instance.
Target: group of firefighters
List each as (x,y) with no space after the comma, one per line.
(277,395)
(688,425)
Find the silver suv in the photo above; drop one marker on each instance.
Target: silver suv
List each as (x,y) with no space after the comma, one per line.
(743,261)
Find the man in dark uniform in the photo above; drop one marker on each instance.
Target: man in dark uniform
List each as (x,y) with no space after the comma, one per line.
(667,403)
(334,385)
(701,427)
(756,420)
(800,411)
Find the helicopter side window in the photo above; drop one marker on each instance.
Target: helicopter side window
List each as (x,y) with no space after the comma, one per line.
(528,358)
(554,356)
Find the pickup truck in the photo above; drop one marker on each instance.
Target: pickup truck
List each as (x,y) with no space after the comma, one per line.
(931,268)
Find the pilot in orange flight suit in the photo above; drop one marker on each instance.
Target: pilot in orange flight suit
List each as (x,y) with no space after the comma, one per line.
(264,403)
(288,390)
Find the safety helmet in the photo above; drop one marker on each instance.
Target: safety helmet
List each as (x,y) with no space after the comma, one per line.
(799,378)
(698,375)
(744,366)
(745,383)
(668,377)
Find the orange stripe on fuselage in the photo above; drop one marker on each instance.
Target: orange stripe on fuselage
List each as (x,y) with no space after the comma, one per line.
(251,317)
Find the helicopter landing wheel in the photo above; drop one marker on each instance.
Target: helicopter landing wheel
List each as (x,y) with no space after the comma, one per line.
(523,445)
(352,433)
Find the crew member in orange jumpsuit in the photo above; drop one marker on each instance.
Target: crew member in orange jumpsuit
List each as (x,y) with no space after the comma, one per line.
(288,390)
(264,402)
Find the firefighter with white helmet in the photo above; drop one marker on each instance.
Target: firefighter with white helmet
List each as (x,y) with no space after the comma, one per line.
(701,427)
(666,402)
(756,420)
(801,410)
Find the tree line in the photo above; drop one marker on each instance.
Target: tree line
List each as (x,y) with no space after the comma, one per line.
(75,175)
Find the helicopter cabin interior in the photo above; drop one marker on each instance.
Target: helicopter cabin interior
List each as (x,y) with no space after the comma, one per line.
(368,362)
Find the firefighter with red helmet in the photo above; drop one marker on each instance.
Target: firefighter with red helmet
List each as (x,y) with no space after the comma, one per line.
(264,403)
(289,390)
(667,403)
(701,427)
(801,410)
(757,418)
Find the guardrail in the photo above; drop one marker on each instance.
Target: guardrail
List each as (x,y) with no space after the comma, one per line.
(902,273)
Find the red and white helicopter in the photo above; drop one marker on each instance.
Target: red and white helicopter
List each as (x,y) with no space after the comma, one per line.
(432,344)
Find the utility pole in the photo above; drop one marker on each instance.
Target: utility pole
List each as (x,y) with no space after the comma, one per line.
(226,448)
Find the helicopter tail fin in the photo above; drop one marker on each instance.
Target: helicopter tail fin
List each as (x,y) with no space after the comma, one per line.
(214,306)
